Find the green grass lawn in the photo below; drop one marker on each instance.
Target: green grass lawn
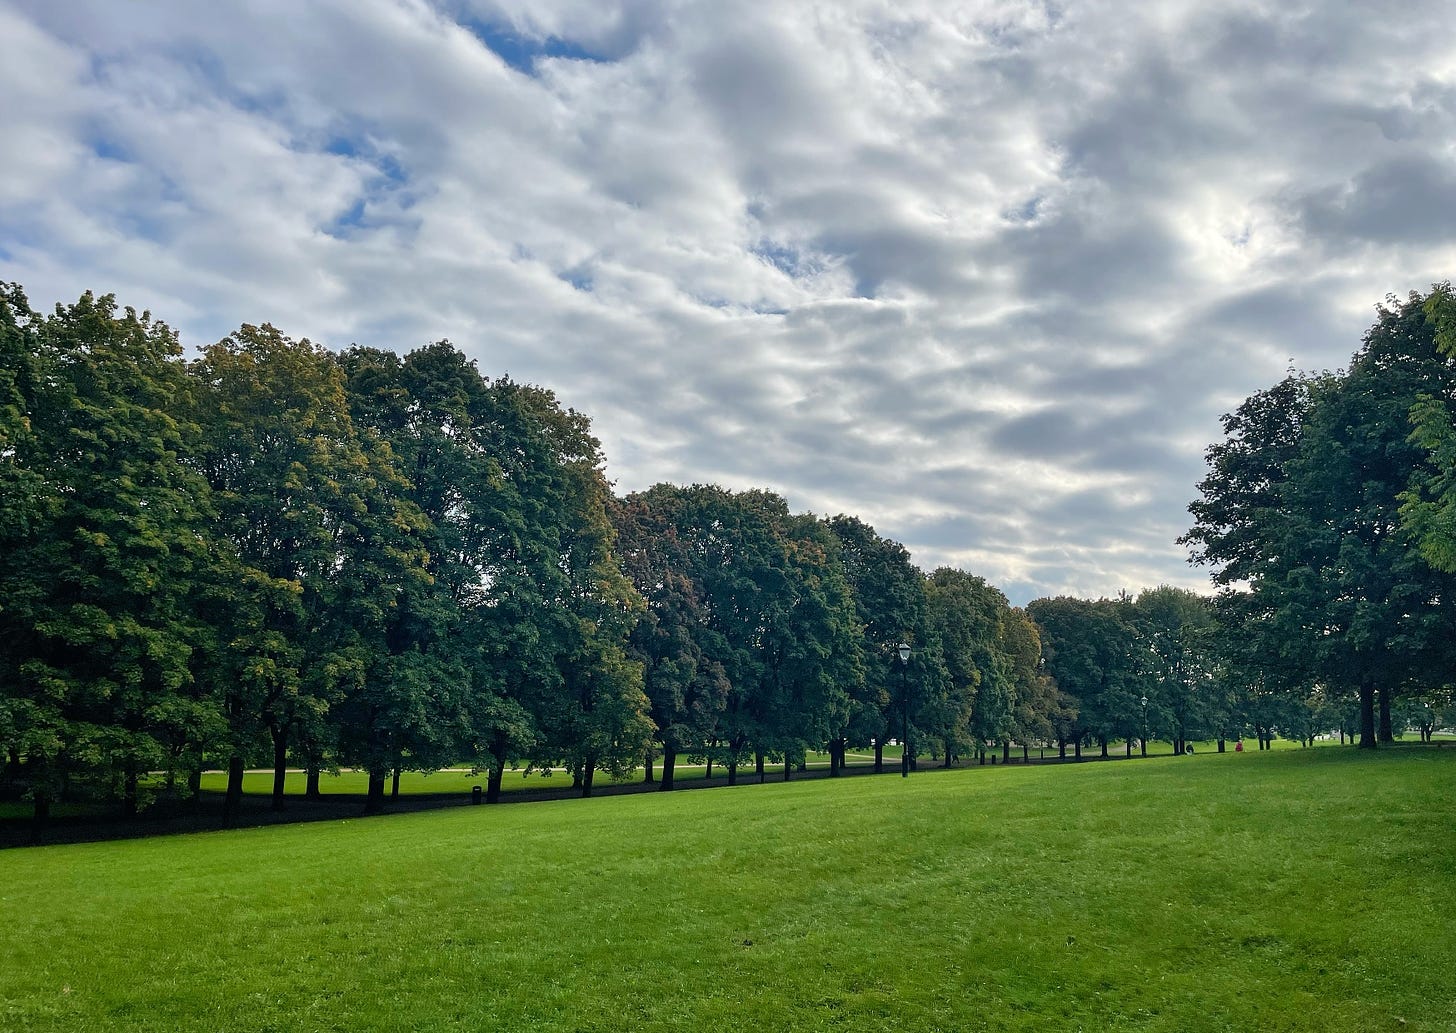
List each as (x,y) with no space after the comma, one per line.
(1290,890)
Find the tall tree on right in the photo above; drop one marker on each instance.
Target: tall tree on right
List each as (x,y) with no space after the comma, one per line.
(1300,519)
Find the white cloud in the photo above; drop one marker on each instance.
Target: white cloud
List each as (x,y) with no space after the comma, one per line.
(984,276)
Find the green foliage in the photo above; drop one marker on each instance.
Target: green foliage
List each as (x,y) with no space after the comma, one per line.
(326,545)
(1176,632)
(1092,652)
(393,563)
(752,645)
(686,686)
(1301,516)
(966,615)
(104,542)
(1428,506)
(888,593)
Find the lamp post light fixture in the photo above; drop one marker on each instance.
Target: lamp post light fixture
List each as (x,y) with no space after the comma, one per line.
(1145,726)
(904,650)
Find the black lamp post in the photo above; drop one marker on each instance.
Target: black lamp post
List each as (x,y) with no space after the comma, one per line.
(1145,726)
(904,651)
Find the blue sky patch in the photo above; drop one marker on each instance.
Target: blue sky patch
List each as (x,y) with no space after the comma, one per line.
(343,224)
(522,52)
(782,257)
(1027,212)
(109,149)
(579,276)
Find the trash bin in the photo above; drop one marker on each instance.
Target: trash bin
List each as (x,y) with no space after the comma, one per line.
(475,794)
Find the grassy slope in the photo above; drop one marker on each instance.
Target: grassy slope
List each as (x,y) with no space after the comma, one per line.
(1291,890)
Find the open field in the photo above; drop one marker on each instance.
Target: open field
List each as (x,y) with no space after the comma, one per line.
(1290,890)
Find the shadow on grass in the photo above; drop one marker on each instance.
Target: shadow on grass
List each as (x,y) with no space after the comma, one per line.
(168,815)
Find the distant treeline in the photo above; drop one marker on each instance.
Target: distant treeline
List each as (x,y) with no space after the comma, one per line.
(276,554)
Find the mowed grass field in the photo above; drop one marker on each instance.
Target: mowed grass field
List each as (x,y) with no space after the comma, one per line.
(1290,890)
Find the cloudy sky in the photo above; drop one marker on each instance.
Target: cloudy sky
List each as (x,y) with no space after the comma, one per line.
(983,274)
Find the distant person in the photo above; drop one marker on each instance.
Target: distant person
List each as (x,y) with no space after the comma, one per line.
(1239,746)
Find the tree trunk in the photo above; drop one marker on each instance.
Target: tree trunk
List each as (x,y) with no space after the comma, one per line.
(834,757)
(1387,733)
(234,797)
(879,755)
(1102,741)
(669,762)
(129,790)
(1005,751)
(1025,754)
(280,763)
(647,768)
(758,759)
(39,814)
(394,785)
(497,770)
(1129,747)
(788,766)
(1076,750)
(1220,744)
(588,774)
(311,789)
(733,771)
(194,786)
(374,802)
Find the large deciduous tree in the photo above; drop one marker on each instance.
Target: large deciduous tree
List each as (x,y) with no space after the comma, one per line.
(685,683)
(1092,654)
(326,545)
(105,540)
(1300,517)
(1176,630)
(889,600)
(975,708)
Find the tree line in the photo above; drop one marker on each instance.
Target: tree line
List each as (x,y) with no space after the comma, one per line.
(274,554)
